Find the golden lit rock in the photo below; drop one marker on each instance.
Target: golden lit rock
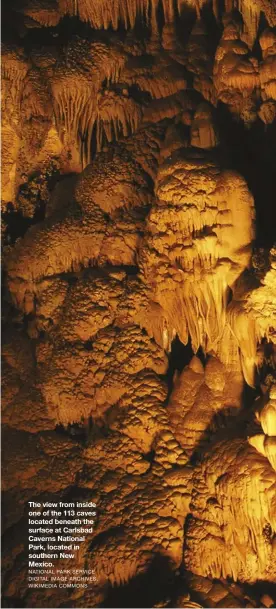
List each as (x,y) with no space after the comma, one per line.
(267,67)
(139,295)
(236,75)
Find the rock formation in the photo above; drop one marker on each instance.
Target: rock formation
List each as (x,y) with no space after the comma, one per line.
(139,306)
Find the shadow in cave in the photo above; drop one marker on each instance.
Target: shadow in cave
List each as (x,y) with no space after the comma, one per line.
(75,431)
(228,423)
(146,589)
(179,357)
(12,603)
(252,152)
(15,224)
(231,420)
(261,587)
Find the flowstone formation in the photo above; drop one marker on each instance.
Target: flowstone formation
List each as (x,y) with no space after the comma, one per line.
(139,343)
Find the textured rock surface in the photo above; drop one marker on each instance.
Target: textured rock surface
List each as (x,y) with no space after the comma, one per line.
(139,348)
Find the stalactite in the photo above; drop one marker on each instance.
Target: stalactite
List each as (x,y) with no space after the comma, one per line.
(200,63)
(251,16)
(43,13)
(247,336)
(153,7)
(160,78)
(168,8)
(117,114)
(73,107)
(229,5)
(267,68)
(102,14)
(76,86)
(195,4)
(14,68)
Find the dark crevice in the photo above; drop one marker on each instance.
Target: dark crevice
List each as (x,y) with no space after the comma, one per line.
(252,152)
(15,225)
(105,536)
(88,345)
(152,586)
(74,431)
(179,357)
(149,456)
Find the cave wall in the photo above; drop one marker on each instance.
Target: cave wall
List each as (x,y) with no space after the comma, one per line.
(139,302)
